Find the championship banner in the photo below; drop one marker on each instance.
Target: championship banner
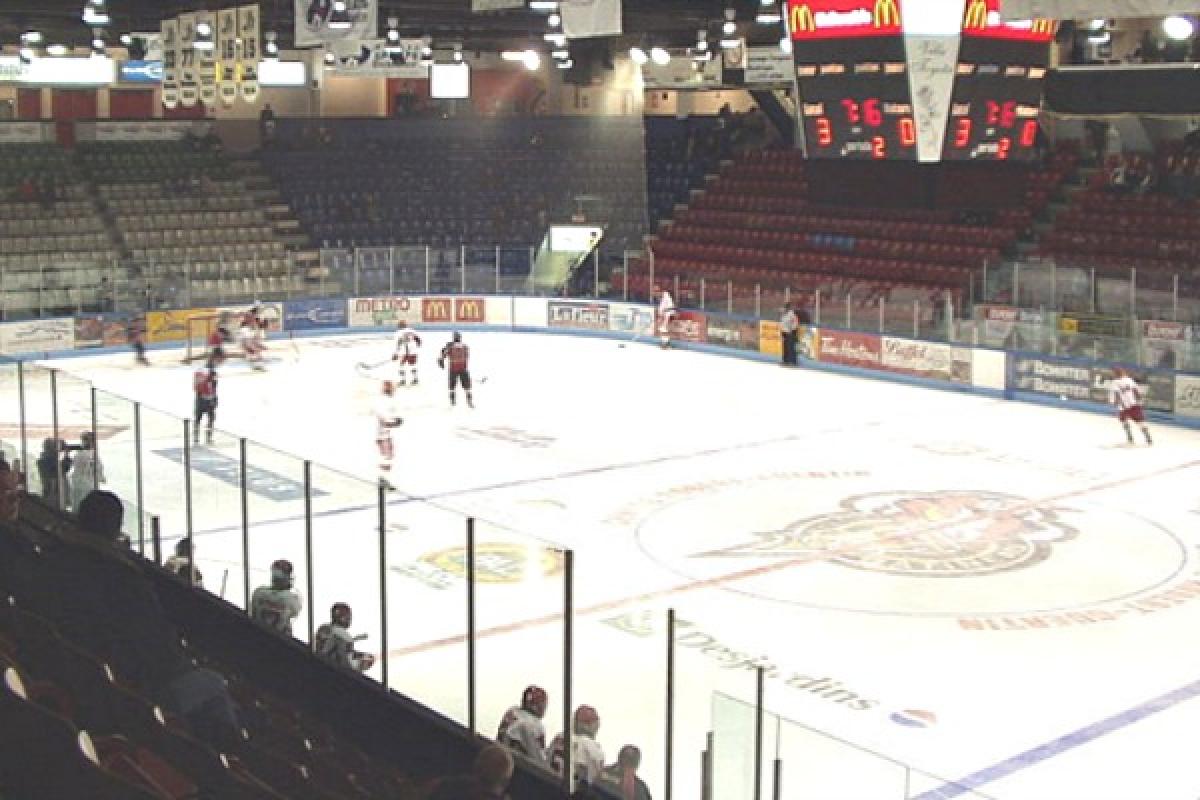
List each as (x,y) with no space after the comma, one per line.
(843,19)
(170,59)
(369,58)
(312,21)
(227,56)
(250,33)
(206,62)
(189,77)
(583,19)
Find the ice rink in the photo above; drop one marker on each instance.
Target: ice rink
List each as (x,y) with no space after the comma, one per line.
(995,593)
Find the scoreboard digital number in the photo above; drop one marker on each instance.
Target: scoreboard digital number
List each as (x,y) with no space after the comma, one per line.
(855,100)
(998,86)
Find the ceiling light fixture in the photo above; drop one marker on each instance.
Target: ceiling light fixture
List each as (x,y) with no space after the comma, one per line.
(638,56)
(660,56)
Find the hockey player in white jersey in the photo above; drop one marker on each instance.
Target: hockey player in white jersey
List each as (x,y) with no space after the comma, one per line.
(278,604)
(334,643)
(522,731)
(408,343)
(1126,395)
(666,315)
(386,420)
(588,755)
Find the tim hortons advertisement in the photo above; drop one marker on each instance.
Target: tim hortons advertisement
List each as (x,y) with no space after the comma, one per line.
(1187,395)
(689,326)
(307,315)
(588,316)
(37,336)
(732,332)
(101,330)
(849,348)
(375,312)
(456,310)
(926,359)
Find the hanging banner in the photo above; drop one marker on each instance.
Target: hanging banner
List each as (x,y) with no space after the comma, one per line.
(312,21)
(583,19)
(227,56)
(250,34)
(170,59)
(496,5)
(206,62)
(768,66)
(189,74)
(370,57)
(680,74)
(151,43)
(1087,9)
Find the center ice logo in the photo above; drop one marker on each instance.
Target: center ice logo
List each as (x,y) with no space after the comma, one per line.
(921,534)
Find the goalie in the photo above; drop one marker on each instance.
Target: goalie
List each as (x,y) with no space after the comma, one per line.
(386,420)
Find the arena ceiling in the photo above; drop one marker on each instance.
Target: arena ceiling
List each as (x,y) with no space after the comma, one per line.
(675,21)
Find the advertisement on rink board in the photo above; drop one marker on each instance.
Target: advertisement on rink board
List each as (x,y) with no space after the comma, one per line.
(689,326)
(308,315)
(742,334)
(629,318)
(386,311)
(1165,344)
(1187,395)
(271,312)
(849,348)
(172,326)
(1080,381)
(458,310)
(586,316)
(38,336)
(926,359)
(101,330)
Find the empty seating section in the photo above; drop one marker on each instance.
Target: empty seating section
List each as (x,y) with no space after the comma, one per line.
(182,212)
(679,154)
(55,251)
(446,183)
(755,224)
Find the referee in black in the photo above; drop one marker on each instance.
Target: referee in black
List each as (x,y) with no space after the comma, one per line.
(789,325)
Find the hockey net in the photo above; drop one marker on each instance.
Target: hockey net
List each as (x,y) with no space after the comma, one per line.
(199,329)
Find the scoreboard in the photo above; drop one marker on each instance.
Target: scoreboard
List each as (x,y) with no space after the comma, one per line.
(853,77)
(857,86)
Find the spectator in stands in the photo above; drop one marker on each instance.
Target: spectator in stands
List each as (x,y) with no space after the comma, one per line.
(27,190)
(334,643)
(109,607)
(789,326)
(178,564)
(88,472)
(522,729)
(51,471)
(278,604)
(10,494)
(622,778)
(488,779)
(46,192)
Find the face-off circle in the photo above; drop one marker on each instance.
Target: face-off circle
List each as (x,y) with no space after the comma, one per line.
(911,552)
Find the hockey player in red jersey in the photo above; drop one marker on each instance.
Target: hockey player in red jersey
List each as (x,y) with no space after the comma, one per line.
(405,353)
(204,384)
(458,356)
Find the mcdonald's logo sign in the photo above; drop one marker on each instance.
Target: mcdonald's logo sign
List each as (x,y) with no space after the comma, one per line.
(436,309)
(886,15)
(801,19)
(976,17)
(1045,27)
(469,309)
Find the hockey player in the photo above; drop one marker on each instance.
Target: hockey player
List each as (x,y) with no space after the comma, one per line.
(588,755)
(278,604)
(136,333)
(250,336)
(666,316)
(521,730)
(204,383)
(407,344)
(333,642)
(1126,395)
(458,354)
(178,563)
(386,420)
(87,471)
(218,338)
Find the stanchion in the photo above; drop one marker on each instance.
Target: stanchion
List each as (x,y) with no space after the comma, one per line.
(308,550)
(471,696)
(670,743)
(383,598)
(156,539)
(568,776)
(243,490)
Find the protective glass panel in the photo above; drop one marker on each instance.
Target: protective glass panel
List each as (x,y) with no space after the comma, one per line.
(116,429)
(480,269)
(164,477)
(47,477)
(86,471)
(733,748)
(216,476)
(11,443)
